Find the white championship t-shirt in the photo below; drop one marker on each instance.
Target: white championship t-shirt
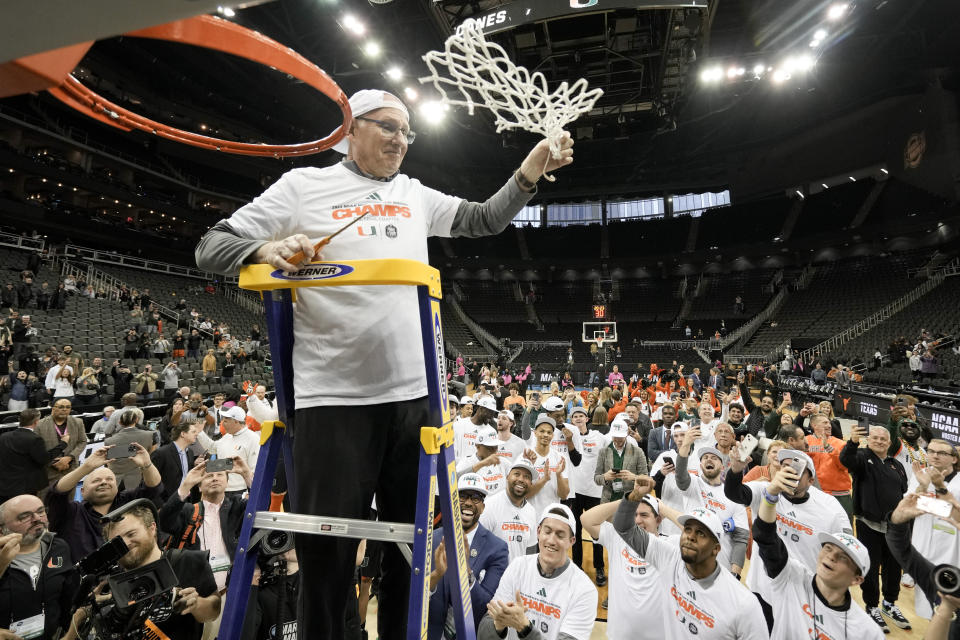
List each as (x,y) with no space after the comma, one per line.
(559,443)
(581,476)
(358,344)
(494,475)
(798,525)
(564,604)
(511,450)
(548,493)
(798,614)
(701,494)
(936,540)
(634,590)
(517,526)
(464,437)
(715,608)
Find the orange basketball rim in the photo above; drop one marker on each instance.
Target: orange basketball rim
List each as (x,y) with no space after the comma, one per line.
(220,35)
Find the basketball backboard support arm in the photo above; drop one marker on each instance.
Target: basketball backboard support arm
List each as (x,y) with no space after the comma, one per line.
(30,27)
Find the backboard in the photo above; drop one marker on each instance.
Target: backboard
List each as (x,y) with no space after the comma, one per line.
(593,331)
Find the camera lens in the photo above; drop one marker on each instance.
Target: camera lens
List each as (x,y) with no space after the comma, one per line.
(947,579)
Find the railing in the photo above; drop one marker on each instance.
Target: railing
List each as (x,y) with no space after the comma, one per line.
(952,268)
(677,344)
(487,339)
(132,262)
(805,276)
(746,330)
(21,242)
(238,296)
(872,321)
(775,282)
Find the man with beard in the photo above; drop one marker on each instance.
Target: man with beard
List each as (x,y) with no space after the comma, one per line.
(465,429)
(911,450)
(565,442)
(511,446)
(509,516)
(684,492)
(196,600)
(634,591)
(758,413)
(640,424)
(802,513)
(79,523)
(660,438)
(710,603)
(487,560)
(802,597)
(543,596)
(37,578)
(794,436)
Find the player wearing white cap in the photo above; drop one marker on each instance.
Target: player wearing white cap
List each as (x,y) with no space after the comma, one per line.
(466,406)
(586,492)
(358,366)
(803,513)
(486,461)
(544,596)
(705,601)
(509,515)
(511,446)
(635,589)
(552,484)
(566,440)
(684,492)
(465,429)
(810,603)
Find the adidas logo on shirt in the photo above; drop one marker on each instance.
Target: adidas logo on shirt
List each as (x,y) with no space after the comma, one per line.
(375,197)
(692,595)
(542,593)
(792,514)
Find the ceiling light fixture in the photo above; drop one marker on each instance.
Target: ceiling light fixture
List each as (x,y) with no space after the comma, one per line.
(837,11)
(395,73)
(351,24)
(371,49)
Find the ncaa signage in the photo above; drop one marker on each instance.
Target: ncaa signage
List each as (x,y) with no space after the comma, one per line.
(529,11)
(323,271)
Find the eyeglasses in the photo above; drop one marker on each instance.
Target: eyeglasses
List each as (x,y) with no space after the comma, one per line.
(475,498)
(389,129)
(30,515)
(938,452)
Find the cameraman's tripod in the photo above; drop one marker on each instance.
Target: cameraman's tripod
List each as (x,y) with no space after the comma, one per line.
(277,288)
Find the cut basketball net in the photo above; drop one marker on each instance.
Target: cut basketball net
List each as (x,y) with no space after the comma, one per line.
(485,77)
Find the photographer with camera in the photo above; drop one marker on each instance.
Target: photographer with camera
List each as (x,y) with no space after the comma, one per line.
(122,376)
(128,473)
(939,584)
(79,522)
(237,440)
(195,599)
(37,578)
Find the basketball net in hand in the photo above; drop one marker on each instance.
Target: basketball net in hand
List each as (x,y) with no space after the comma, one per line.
(484,76)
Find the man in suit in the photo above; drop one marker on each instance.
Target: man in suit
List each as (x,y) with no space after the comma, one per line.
(697,382)
(175,459)
(51,429)
(129,474)
(661,438)
(715,380)
(619,463)
(24,457)
(487,560)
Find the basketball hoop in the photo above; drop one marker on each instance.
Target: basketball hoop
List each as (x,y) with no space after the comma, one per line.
(600,344)
(225,36)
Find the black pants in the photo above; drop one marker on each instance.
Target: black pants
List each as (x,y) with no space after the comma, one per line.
(882,563)
(342,455)
(578,504)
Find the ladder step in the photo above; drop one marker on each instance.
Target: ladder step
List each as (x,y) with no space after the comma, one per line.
(337,527)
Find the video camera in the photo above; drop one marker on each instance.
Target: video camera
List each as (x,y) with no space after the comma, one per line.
(274,544)
(121,601)
(946,577)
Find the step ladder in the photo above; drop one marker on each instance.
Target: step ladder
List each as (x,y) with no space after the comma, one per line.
(437,471)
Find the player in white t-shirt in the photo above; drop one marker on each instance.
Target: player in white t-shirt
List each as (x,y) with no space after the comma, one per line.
(586,492)
(552,484)
(807,603)
(634,591)
(486,461)
(566,439)
(800,516)
(704,601)
(511,446)
(684,492)
(360,384)
(543,596)
(465,429)
(509,516)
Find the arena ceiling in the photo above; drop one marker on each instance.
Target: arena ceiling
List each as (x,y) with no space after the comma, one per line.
(685,87)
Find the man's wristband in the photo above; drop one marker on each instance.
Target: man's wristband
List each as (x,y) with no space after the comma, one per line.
(523,182)
(768,498)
